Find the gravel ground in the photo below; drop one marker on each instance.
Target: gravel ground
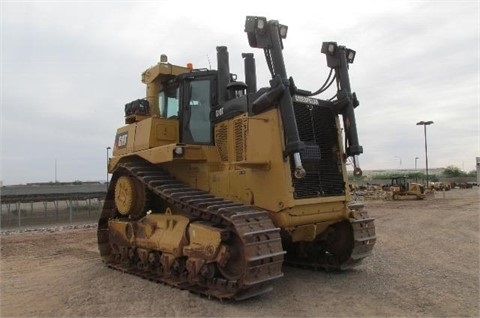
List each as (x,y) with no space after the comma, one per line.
(425,263)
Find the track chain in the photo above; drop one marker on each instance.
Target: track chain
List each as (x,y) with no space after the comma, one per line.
(364,238)
(260,239)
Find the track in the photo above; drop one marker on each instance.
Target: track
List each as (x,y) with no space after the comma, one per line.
(357,244)
(260,240)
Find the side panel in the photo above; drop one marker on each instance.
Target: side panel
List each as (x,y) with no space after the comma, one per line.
(152,139)
(251,151)
(148,133)
(154,132)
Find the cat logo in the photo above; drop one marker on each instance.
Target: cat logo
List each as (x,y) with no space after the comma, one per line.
(219,112)
(121,140)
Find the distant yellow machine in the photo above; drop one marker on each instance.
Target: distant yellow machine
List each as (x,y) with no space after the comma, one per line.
(400,189)
(440,186)
(215,183)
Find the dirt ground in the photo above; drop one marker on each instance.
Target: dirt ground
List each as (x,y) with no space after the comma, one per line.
(425,263)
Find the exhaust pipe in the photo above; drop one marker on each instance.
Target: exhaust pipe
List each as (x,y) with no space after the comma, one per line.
(250,72)
(223,68)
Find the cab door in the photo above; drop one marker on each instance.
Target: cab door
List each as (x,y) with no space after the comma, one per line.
(198,98)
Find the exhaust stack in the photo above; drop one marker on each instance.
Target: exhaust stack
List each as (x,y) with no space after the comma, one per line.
(223,68)
(250,72)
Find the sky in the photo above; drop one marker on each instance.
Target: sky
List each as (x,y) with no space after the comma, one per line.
(69,67)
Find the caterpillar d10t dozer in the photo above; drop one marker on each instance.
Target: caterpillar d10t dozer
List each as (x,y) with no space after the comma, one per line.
(216,184)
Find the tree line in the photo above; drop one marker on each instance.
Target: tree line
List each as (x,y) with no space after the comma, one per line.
(448,172)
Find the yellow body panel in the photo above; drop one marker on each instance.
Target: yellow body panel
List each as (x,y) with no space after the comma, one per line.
(251,150)
(124,140)
(146,134)
(154,132)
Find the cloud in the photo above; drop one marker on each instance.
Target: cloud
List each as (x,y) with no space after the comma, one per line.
(68,68)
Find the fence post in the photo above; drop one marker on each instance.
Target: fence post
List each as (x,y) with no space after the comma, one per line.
(19,213)
(45,206)
(56,209)
(8,213)
(70,210)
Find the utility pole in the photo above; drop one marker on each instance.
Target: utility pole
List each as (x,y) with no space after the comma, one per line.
(416,176)
(425,124)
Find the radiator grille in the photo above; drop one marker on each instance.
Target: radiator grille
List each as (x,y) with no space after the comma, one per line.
(240,132)
(317,129)
(221,141)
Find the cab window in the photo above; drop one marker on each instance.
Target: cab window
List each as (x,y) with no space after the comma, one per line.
(199,104)
(168,102)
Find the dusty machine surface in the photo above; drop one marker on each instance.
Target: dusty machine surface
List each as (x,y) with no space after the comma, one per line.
(400,189)
(216,184)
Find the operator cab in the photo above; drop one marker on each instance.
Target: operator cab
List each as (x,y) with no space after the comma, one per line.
(189,98)
(400,182)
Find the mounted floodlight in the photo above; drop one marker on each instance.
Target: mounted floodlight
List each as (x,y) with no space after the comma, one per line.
(329,48)
(261,23)
(350,55)
(257,29)
(283,29)
(178,152)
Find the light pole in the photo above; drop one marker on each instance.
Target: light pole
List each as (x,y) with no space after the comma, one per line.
(425,124)
(108,148)
(416,176)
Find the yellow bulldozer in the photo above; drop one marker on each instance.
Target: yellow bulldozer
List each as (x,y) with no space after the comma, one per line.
(216,184)
(400,189)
